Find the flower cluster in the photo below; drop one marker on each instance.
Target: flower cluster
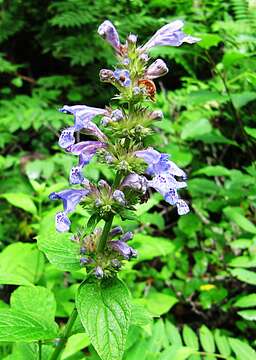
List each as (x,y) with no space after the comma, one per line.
(118,141)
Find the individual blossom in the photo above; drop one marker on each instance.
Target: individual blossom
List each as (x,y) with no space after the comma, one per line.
(70,199)
(163,172)
(123,249)
(123,77)
(119,197)
(135,182)
(108,31)
(156,115)
(85,150)
(157,69)
(107,76)
(169,35)
(83,122)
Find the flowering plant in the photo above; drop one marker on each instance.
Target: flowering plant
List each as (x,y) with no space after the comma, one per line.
(118,141)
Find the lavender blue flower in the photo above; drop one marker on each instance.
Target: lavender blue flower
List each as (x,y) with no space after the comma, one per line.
(119,197)
(123,77)
(156,115)
(169,35)
(123,249)
(127,236)
(163,172)
(85,150)
(136,182)
(98,272)
(116,231)
(110,34)
(83,121)
(70,199)
(117,115)
(157,69)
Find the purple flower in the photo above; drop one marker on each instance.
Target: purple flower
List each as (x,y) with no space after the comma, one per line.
(135,182)
(116,231)
(123,77)
(70,199)
(117,115)
(169,35)
(110,34)
(156,70)
(119,197)
(127,236)
(163,172)
(106,75)
(123,249)
(83,121)
(156,115)
(85,150)
(158,163)
(98,272)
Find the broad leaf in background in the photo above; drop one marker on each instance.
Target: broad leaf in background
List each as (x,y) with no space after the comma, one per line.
(105,311)
(31,316)
(21,264)
(22,201)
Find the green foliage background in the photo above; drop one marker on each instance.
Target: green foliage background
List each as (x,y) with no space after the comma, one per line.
(195,272)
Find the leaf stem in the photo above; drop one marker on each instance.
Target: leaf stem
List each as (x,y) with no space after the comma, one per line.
(40,350)
(66,334)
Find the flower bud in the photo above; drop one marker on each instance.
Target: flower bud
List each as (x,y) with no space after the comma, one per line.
(127,236)
(116,264)
(156,115)
(84,261)
(132,39)
(144,57)
(116,231)
(82,250)
(123,249)
(119,197)
(109,33)
(156,69)
(106,75)
(136,182)
(98,272)
(117,115)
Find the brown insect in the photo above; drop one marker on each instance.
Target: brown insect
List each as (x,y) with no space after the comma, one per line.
(150,87)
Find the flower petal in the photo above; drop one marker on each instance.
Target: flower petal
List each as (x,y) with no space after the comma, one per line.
(62,222)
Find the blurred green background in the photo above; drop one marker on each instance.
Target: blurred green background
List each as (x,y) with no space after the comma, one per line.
(197,270)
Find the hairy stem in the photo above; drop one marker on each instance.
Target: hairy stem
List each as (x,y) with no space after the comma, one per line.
(66,334)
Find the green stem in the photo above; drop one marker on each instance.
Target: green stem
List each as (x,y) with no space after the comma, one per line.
(107,227)
(39,349)
(65,336)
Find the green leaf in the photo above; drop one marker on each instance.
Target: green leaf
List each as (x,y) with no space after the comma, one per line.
(209,40)
(149,247)
(243,261)
(246,301)
(190,338)
(21,264)
(195,128)
(234,214)
(105,311)
(74,344)
(173,334)
(243,98)
(250,131)
(176,352)
(140,315)
(213,171)
(159,303)
(222,343)
(244,275)
(206,338)
(22,201)
(20,326)
(61,251)
(248,314)
(34,299)
(242,350)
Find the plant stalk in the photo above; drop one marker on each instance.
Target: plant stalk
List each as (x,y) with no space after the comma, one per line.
(63,340)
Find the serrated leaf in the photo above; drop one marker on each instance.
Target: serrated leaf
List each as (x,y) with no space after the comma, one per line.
(21,264)
(173,334)
(20,326)
(176,352)
(190,338)
(105,311)
(206,338)
(58,247)
(222,343)
(34,299)
(22,201)
(242,350)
